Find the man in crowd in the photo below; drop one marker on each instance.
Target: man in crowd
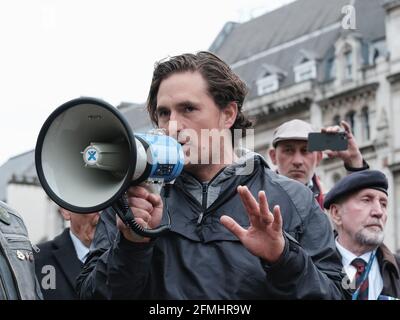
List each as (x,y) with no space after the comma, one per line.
(358,208)
(17,265)
(292,159)
(227,240)
(64,256)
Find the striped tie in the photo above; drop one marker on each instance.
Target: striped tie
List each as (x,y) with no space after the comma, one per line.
(360,265)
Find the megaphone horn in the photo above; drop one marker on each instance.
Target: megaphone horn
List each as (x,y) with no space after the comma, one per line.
(87,157)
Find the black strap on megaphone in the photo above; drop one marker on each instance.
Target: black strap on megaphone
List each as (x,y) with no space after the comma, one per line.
(121,207)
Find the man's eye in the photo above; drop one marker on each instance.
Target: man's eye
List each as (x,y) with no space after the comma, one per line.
(163,113)
(189,109)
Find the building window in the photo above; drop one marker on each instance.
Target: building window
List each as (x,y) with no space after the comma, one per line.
(305,71)
(335,178)
(336,120)
(350,119)
(365,124)
(348,65)
(267,84)
(331,69)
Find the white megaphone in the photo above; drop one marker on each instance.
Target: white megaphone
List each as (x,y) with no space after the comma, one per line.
(87,157)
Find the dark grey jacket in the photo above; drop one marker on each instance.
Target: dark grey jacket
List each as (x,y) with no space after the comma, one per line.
(201,259)
(17,268)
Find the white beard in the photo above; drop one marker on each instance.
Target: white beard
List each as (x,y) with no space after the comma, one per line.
(369,237)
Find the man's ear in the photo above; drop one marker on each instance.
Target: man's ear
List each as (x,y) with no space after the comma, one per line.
(230,113)
(272,155)
(335,214)
(66,214)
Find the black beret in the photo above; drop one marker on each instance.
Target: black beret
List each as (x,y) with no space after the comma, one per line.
(366,179)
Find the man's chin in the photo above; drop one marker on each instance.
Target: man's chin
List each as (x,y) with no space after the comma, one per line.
(370,237)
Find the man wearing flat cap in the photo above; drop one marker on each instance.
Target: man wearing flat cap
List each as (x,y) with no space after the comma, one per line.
(358,208)
(292,159)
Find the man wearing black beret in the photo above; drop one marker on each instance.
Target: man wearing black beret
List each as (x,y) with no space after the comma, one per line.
(358,208)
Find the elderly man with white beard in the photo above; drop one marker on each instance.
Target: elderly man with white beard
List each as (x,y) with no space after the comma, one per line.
(358,208)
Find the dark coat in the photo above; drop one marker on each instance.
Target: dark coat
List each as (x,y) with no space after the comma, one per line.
(201,259)
(389,266)
(60,253)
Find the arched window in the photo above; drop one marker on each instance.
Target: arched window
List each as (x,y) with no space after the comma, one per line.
(365,124)
(350,119)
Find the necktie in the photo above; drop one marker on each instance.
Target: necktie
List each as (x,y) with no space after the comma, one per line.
(360,265)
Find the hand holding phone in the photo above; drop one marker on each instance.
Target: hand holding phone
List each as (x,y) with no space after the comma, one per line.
(320,141)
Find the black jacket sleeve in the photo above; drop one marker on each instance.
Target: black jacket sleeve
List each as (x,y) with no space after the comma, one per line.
(113,262)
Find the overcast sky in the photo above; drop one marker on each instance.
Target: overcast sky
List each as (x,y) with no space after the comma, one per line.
(53,51)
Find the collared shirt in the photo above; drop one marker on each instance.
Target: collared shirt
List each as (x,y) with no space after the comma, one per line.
(81,250)
(374,276)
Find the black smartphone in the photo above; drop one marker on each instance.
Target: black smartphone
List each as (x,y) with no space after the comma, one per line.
(320,141)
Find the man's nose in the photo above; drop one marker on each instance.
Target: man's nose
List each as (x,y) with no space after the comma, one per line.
(297,159)
(174,125)
(377,210)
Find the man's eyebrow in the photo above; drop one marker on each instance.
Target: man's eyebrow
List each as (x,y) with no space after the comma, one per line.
(186,103)
(161,108)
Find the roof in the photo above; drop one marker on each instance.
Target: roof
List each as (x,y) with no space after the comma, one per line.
(137,116)
(304,27)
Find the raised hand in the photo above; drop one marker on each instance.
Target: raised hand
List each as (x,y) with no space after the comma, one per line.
(264,238)
(352,156)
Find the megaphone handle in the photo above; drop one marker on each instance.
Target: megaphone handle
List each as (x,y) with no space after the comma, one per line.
(121,207)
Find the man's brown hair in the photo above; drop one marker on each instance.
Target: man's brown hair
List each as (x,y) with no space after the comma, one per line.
(224,86)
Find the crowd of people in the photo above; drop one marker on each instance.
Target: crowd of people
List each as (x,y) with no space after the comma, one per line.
(264,234)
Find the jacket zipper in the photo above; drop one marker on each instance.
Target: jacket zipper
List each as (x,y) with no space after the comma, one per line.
(204,202)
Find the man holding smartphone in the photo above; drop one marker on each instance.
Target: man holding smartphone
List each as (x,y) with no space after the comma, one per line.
(290,155)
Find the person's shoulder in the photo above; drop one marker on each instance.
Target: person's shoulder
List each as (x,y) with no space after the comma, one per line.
(45,246)
(57,241)
(15,222)
(10,210)
(300,196)
(290,186)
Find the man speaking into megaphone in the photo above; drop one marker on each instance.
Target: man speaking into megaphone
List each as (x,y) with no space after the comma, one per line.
(235,234)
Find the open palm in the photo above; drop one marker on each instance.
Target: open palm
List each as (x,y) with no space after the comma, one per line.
(264,237)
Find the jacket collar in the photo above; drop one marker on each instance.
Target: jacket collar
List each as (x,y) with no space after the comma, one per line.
(246,161)
(388,260)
